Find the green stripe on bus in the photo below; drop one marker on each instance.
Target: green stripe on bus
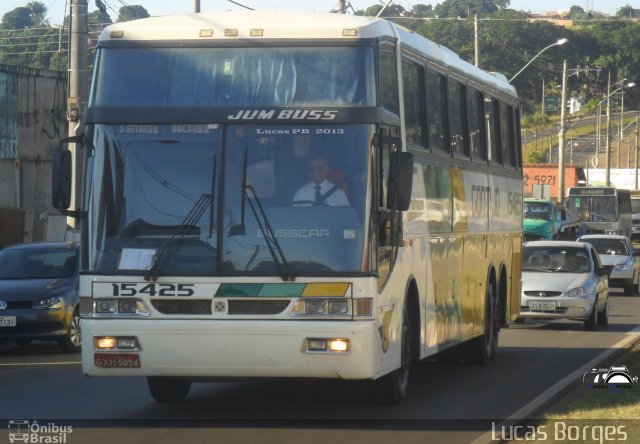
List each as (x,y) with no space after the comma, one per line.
(238,290)
(281,290)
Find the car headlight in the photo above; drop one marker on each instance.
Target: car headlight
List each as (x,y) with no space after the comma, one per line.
(576,293)
(49,303)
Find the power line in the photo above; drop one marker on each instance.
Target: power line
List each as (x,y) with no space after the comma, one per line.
(241,5)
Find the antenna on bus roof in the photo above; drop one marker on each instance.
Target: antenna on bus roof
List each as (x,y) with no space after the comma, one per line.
(384,7)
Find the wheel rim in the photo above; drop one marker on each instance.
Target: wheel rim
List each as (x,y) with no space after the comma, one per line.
(74,331)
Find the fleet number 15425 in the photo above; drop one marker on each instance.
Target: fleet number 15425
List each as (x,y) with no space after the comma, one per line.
(153,289)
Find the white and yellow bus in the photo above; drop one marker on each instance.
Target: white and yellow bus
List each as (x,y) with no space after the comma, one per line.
(275,194)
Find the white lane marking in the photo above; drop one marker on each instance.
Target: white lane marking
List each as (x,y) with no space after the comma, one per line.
(26,364)
(544,397)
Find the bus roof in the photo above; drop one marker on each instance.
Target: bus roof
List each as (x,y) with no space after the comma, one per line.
(243,25)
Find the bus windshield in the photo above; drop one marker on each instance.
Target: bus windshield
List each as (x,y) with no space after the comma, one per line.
(174,77)
(594,208)
(210,200)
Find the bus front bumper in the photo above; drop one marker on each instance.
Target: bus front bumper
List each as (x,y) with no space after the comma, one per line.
(231,349)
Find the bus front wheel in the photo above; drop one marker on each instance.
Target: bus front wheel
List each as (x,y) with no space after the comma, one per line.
(392,389)
(168,389)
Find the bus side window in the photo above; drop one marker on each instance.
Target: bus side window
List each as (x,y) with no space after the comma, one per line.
(506,135)
(414,112)
(437,111)
(458,118)
(475,102)
(491,114)
(388,78)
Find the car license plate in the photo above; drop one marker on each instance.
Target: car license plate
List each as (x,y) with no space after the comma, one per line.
(7,321)
(542,306)
(116,360)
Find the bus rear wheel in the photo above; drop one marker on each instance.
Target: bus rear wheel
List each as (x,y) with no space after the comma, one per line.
(168,389)
(392,389)
(481,350)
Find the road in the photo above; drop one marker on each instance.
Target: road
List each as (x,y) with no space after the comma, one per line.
(447,402)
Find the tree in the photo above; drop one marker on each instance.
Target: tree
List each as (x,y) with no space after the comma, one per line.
(625,11)
(576,13)
(132,12)
(392,10)
(17,18)
(420,10)
(466,8)
(38,13)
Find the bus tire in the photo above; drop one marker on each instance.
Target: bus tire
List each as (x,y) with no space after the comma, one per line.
(480,350)
(164,389)
(392,388)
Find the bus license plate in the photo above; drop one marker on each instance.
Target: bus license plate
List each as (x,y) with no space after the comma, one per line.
(542,306)
(7,321)
(116,360)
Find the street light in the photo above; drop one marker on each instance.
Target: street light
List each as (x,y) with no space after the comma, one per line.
(607,146)
(558,43)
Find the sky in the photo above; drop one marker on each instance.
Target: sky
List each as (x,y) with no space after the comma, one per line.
(166,7)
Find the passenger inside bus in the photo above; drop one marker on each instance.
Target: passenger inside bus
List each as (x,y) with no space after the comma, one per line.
(320,190)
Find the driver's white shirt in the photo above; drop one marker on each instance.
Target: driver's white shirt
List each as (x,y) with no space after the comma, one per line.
(306,195)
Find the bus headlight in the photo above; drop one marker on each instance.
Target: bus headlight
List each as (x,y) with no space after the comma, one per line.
(322,307)
(333,308)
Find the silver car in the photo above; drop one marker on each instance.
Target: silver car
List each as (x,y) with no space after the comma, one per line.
(619,258)
(564,280)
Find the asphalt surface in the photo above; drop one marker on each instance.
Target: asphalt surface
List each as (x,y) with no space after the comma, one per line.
(448,402)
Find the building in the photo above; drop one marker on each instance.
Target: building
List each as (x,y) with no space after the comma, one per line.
(32,121)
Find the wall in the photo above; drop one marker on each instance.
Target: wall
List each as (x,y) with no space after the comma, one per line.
(32,120)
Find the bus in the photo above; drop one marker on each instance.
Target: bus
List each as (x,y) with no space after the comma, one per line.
(601,210)
(297,195)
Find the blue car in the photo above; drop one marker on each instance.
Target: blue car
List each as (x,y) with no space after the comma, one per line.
(39,294)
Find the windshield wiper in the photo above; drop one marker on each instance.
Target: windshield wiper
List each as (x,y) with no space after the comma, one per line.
(188,225)
(286,272)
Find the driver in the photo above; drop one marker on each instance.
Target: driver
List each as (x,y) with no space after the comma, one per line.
(319,191)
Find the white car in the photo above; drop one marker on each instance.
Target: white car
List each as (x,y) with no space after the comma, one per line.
(564,279)
(619,258)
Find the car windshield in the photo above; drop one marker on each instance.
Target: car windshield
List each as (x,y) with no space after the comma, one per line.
(555,259)
(37,264)
(533,210)
(616,247)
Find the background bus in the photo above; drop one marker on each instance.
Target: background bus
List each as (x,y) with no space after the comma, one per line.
(601,209)
(202,253)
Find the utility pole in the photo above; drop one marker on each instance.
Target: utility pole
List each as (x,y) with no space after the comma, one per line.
(607,144)
(636,150)
(561,134)
(598,137)
(543,110)
(476,40)
(196,6)
(621,127)
(342,7)
(78,92)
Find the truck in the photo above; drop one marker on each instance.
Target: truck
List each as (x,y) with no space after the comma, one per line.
(541,180)
(544,219)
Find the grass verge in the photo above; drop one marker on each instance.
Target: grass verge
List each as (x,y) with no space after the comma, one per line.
(589,415)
